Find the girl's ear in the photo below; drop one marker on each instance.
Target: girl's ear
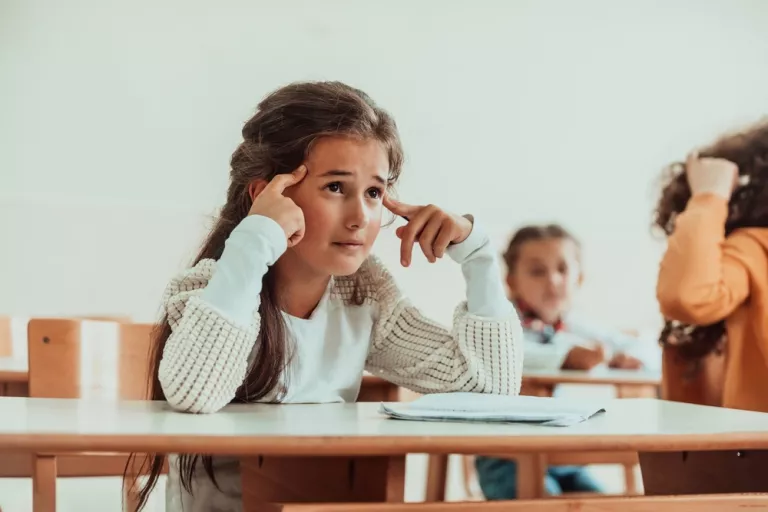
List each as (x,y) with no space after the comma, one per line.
(580,280)
(256,187)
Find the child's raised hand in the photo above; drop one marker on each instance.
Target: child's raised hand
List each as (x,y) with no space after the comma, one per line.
(584,358)
(432,227)
(270,202)
(711,175)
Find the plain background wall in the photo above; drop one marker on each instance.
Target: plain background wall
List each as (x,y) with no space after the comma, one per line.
(117,121)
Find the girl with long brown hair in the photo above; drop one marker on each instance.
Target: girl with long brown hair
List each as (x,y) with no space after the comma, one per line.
(285,304)
(713,279)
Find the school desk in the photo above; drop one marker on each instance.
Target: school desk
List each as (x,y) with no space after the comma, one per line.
(14,382)
(683,448)
(628,383)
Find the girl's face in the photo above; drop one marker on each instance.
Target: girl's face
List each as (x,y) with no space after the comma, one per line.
(341,197)
(546,276)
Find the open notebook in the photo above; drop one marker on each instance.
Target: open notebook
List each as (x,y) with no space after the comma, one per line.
(481,407)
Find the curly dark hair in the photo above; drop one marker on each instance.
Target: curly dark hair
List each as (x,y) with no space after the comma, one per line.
(748,207)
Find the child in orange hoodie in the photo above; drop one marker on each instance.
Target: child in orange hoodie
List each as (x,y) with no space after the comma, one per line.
(713,280)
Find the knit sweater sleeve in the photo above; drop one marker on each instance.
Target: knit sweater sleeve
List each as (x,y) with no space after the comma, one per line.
(212,309)
(483,352)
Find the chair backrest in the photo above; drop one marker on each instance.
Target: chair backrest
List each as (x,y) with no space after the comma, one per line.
(700,383)
(73,358)
(6,337)
(107,318)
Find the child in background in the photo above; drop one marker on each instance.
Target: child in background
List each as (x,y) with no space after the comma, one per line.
(543,276)
(713,279)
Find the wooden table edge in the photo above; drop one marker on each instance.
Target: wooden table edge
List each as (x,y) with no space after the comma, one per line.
(595,381)
(377,445)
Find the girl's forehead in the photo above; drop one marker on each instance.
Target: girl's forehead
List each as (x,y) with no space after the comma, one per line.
(360,157)
(551,247)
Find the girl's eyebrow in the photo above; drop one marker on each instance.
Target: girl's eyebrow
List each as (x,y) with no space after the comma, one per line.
(338,172)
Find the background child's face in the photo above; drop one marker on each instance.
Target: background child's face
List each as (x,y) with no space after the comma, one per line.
(546,276)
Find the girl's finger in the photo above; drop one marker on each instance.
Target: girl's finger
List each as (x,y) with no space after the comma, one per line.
(428,235)
(282,181)
(444,238)
(411,232)
(398,208)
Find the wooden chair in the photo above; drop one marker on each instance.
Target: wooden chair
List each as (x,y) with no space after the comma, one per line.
(693,503)
(6,337)
(73,358)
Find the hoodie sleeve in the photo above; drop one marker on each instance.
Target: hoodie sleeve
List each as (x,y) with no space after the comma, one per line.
(703,276)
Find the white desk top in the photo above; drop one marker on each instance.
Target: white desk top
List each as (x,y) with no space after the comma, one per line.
(599,375)
(357,429)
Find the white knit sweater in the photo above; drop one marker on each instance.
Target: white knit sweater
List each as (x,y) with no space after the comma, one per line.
(213,312)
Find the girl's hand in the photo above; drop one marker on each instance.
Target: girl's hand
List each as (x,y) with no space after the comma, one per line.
(711,175)
(270,202)
(625,362)
(584,358)
(434,229)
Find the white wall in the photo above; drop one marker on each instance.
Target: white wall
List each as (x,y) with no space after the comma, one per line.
(117,121)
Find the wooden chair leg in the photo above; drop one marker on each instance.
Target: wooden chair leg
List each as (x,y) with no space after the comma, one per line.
(44,483)
(437,477)
(531,470)
(630,480)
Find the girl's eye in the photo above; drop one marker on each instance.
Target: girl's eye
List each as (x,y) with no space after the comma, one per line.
(375,193)
(334,187)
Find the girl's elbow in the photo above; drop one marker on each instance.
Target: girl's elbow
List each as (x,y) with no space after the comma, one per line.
(179,398)
(196,406)
(684,307)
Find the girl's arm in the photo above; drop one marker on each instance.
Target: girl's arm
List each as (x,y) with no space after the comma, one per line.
(482,353)
(213,312)
(703,277)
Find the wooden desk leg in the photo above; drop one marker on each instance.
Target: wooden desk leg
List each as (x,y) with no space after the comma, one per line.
(44,483)
(709,472)
(267,481)
(437,478)
(531,470)
(630,480)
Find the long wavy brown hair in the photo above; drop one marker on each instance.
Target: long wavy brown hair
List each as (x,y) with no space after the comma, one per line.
(748,207)
(276,140)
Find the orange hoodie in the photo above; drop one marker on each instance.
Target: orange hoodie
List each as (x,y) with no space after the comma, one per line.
(705,277)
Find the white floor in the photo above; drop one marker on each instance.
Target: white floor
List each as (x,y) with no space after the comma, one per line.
(104,494)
